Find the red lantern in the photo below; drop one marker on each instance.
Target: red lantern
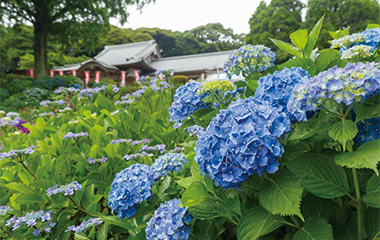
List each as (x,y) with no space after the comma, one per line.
(97,76)
(51,72)
(60,72)
(87,77)
(31,72)
(122,78)
(74,72)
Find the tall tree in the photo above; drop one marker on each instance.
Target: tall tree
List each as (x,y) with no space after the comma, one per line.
(341,14)
(277,20)
(43,14)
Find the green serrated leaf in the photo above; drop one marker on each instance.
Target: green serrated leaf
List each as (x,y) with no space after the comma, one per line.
(299,39)
(281,194)
(29,198)
(326,57)
(313,37)
(304,63)
(208,209)
(343,131)
(372,197)
(368,109)
(372,223)
(340,33)
(19,187)
(320,175)
(286,47)
(252,184)
(195,194)
(117,222)
(314,228)
(366,156)
(257,222)
(373,25)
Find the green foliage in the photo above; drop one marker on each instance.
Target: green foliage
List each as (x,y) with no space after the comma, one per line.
(257,222)
(314,229)
(373,190)
(343,131)
(339,14)
(277,20)
(366,156)
(320,175)
(287,191)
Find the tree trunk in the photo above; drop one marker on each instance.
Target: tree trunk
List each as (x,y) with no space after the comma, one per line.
(41,27)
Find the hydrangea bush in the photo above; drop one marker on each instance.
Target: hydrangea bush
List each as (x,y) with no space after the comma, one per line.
(289,153)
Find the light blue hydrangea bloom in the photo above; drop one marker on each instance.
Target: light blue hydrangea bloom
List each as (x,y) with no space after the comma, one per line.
(4,210)
(129,188)
(38,219)
(186,101)
(276,88)
(354,82)
(166,163)
(168,222)
(240,141)
(65,189)
(17,153)
(75,135)
(84,225)
(249,59)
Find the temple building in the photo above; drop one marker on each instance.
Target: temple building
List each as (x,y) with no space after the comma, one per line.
(144,58)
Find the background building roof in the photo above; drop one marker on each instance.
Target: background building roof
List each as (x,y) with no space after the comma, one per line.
(195,62)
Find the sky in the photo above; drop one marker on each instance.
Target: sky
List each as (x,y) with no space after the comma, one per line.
(182,15)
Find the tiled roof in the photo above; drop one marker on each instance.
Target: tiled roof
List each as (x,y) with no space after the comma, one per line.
(195,62)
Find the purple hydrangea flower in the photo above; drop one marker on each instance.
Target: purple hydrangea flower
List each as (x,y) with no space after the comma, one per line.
(75,135)
(84,225)
(17,153)
(66,189)
(242,140)
(166,163)
(168,222)
(4,210)
(129,188)
(31,219)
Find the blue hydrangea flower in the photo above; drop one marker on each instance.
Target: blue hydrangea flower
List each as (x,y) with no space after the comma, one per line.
(354,82)
(4,210)
(17,153)
(369,37)
(186,101)
(240,141)
(35,219)
(249,59)
(129,188)
(166,163)
(195,130)
(89,92)
(101,160)
(367,131)
(276,88)
(357,51)
(66,189)
(168,222)
(137,155)
(45,103)
(84,225)
(75,135)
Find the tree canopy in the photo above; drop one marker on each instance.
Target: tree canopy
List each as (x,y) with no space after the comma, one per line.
(68,15)
(277,20)
(341,14)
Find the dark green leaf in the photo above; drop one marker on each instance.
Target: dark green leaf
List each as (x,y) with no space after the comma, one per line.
(314,229)
(372,198)
(320,175)
(372,223)
(281,194)
(257,222)
(366,156)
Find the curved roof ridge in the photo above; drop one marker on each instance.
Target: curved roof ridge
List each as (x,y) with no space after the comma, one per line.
(195,55)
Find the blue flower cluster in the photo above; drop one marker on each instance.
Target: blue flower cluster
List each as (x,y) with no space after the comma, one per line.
(195,130)
(166,163)
(367,131)
(65,90)
(101,160)
(84,225)
(4,210)
(354,82)
(131,141)
(186,101)
(89,92)
(168,222)
(66,189)
(130,98)
(240,141)
(276,88)
(361,44)
(17,153)
(39,221)
(137,155)
(129,188)
(249,59)
(75,135)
